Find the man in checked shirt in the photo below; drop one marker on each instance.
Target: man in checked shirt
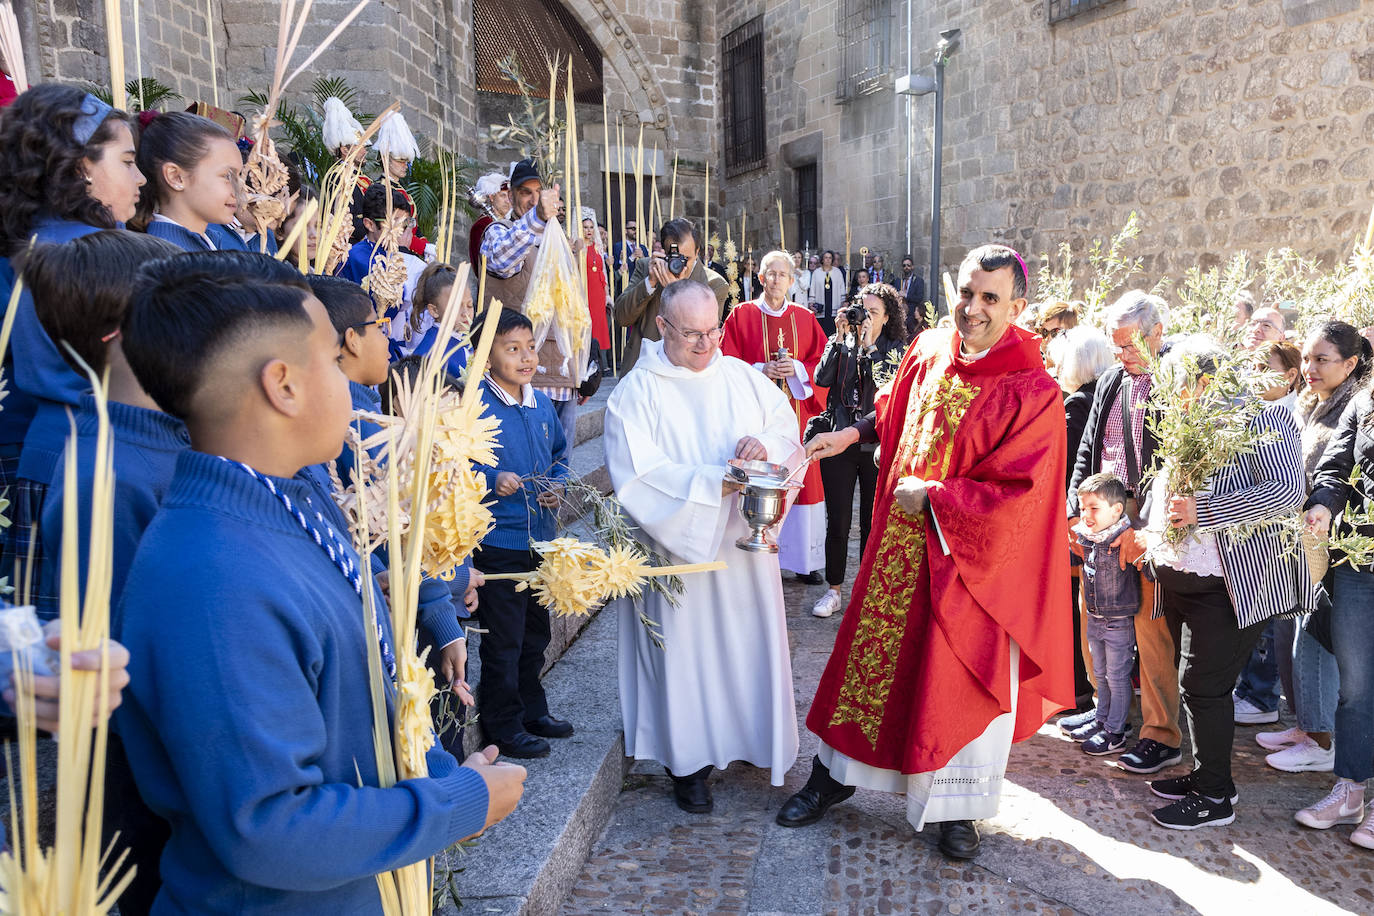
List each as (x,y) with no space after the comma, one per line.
(1118,440)
(510,248)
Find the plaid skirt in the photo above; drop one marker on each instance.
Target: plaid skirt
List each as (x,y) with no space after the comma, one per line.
(22,557)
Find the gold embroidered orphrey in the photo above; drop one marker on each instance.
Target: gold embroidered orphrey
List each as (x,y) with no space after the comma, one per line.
(872,665)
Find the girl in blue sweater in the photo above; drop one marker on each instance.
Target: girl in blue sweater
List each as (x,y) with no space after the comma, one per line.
(248,718)
(193,169)
(67,169)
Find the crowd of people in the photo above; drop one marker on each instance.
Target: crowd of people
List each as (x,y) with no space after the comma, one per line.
(234,379)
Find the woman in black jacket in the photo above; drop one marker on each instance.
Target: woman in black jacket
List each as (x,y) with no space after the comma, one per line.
(1078,356)
(1334,492)
(856,362)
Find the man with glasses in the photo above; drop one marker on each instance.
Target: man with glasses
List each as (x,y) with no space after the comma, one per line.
(785,343)
(714,684)
(1266,325)
(637,307)
(1118,439)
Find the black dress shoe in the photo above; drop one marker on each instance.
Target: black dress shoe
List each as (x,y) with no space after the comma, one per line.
(691,793)
(815,577)
(820,792)
(959,839)
(524,746)
(549,727)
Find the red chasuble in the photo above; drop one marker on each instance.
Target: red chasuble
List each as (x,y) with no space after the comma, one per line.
(753,336)
(921,664)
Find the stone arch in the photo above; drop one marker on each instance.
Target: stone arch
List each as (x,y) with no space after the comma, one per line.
(621,52)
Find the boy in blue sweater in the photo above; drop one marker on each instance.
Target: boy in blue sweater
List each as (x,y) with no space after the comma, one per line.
(81,293)
(248,719)
(532,463)
(365,362)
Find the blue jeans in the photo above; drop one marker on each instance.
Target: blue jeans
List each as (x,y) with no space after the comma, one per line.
(567,416)
(1259,679)
(1111,642)
(1352,612)
(1316,679)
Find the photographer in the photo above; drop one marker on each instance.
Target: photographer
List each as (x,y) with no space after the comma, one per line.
(636,308)
(870,336)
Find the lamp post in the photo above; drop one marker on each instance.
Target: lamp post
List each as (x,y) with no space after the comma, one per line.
(920,84)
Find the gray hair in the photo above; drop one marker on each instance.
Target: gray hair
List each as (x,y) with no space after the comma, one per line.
(1137,308)
(1191,358)
(680,289)
(1080,355)
(780,257)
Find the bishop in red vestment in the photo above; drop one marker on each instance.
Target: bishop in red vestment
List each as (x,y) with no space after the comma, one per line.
(756,332)
(958,634)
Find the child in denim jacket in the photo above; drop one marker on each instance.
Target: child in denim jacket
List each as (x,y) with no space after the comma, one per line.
(1112,597)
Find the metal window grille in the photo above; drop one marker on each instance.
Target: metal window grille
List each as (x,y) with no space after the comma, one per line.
(1067,9)
(807,216)
(865,31)
(534,31)
(742,53)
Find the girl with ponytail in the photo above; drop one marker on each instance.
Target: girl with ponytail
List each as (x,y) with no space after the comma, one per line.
(193,167)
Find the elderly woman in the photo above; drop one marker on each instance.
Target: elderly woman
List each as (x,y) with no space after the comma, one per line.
(1219,588)
(827,291)
(1080,356)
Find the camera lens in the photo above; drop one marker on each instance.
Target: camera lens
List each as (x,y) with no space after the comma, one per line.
(677,263)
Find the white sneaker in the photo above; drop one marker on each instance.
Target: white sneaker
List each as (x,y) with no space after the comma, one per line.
(1343,805)
(829,604)
(1363,835)
(1248,713)
(1277,741)
(1303,757)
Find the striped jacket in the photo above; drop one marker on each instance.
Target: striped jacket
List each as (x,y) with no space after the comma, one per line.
(1265,576)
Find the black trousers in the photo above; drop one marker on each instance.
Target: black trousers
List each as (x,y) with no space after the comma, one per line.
(512,650)
(141,832)
(838,476)
(1082,686)
(1212,649)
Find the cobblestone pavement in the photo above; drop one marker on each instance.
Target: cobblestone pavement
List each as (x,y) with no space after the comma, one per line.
(1073,835)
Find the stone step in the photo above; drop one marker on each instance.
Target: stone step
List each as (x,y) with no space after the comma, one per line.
(527,864)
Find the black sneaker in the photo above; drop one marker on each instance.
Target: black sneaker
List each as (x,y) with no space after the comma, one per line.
(1077,720)
(1084,732)
(1194,811)
(1149,756)
(1179,787)
(1103,743)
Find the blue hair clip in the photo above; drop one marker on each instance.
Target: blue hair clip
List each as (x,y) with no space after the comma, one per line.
(93,114)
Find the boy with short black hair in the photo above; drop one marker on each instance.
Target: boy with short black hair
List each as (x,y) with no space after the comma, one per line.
(386,213)
(532,464)
(249,719)
(1111,595)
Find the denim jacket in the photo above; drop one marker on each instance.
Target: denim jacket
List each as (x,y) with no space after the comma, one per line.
(1109,590)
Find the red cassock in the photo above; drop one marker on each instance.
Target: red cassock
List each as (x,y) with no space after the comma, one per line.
(754,337)
(596,297)
(922,662)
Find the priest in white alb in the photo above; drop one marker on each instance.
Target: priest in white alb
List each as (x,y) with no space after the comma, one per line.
(719,689)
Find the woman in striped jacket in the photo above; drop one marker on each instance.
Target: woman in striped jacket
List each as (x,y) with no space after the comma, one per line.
(1221,586)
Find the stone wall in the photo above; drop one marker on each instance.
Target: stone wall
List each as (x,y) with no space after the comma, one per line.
(1227,125)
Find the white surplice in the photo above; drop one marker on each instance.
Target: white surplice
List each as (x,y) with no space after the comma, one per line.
(721,688)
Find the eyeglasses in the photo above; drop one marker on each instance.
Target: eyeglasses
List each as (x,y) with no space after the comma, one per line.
(695,337)
(383,324)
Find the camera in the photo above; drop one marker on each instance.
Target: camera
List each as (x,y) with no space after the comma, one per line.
(855,315)
(677,261)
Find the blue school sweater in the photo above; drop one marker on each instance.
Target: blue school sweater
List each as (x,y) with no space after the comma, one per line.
(146,444)
(248,718)
(359,262)
(458,356)
(40,372)
(178,235)
(226,239)
(532,443)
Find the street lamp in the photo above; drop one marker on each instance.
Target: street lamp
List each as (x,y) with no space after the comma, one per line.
(921,84)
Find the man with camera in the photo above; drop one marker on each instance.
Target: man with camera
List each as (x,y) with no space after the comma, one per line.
(637,307)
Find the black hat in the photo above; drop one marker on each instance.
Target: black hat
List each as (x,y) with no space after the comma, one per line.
(523,171)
